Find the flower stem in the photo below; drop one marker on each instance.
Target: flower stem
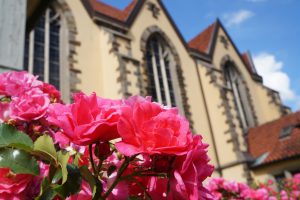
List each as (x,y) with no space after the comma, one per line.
(148,197)
(92,159)
(118,177)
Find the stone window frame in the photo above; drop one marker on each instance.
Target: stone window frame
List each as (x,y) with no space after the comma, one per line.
(181,98)
(159,67)
(245,94)
(46,45)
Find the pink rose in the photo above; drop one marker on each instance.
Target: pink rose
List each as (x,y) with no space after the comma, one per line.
(31,105)
(87,120)
(231,186)
(53,93)
(14,83)
(190,171)
(259,194)
(61,139)
(120,191)
(284,195)
(14,187)
(147,127)
(157,188)
(215,183)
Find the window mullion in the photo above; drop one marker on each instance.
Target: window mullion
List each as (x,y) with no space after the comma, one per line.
(164,76)
(31,52)
(154,66)
(46,47)
(239,104)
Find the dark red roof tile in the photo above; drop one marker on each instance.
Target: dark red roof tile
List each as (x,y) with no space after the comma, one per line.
(202,41)
(266,139)
(246,58)
(112,12)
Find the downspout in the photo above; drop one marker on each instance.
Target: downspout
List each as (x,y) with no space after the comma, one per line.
(218,168)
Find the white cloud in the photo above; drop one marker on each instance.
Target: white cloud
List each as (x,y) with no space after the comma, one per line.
(236,18)
(271,71)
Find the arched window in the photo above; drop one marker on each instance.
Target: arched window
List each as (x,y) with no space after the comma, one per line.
(234,81)
(161,71)
(42,48)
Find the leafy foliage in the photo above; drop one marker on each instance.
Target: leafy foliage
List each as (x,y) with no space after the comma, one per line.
(18,161)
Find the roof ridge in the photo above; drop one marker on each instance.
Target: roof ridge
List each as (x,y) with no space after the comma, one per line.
(113,12)
(203,40)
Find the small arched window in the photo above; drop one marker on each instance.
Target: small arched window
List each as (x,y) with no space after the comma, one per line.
(161,71)
(235,83)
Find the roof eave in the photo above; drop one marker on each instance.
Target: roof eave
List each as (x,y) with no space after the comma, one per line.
(294,157)
(200,55)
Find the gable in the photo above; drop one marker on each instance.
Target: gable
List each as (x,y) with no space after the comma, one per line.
(220,39)
(148,20)
(105,14)
(202,42)
(115,18)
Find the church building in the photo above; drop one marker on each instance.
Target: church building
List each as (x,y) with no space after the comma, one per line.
(90,46)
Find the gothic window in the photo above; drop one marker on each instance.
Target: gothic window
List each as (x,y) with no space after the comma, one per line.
(42,48)
(161,67)
(235,83)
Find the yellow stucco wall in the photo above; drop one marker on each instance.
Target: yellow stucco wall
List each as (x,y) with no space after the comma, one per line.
(235,173)
(88,52)
(218,120)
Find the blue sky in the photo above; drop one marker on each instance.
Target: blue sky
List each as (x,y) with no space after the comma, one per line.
(270,29)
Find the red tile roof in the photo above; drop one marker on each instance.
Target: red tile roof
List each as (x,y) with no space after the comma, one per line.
(202,41)
(266,139)
(112,12)
(245,57)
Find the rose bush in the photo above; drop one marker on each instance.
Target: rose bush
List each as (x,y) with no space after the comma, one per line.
(97,148)
(287,189)
(94,148)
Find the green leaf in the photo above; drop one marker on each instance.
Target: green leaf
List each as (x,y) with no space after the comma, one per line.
(19,161)
(95,185)
(73,183)
(87,176)
(44,145)
(46,193)
(11,137)
(76,159)
(62,159)
(57,176)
